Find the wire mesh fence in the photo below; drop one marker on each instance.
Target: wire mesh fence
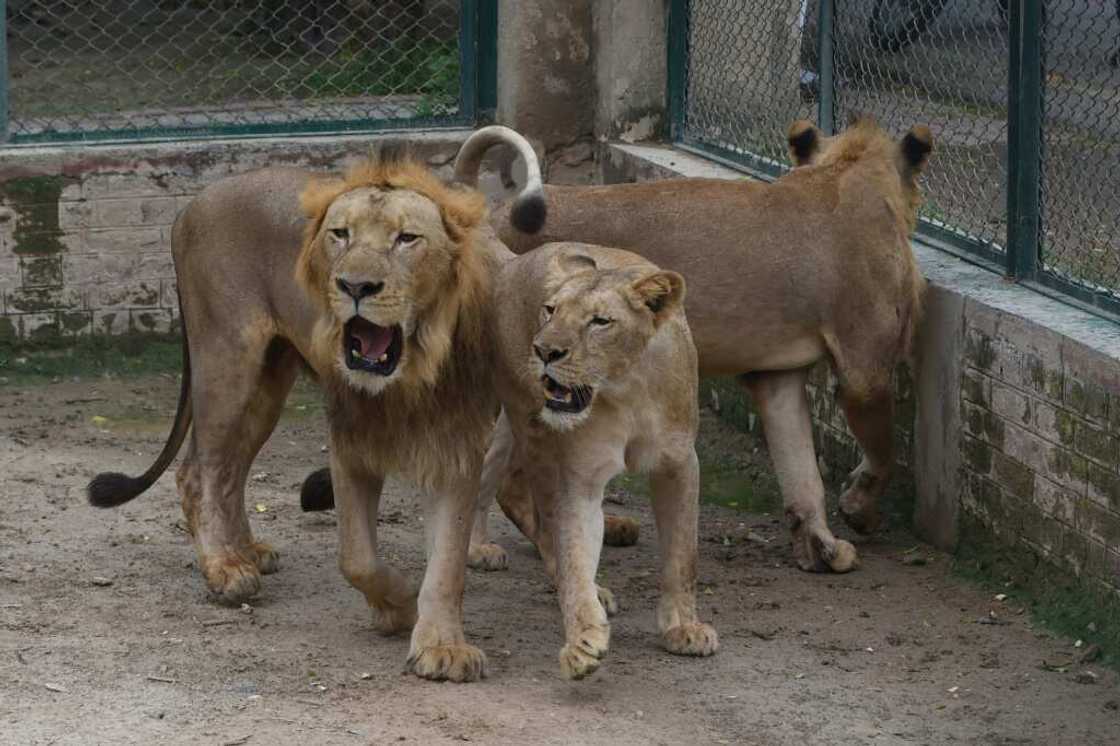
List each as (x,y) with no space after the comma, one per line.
(749,67)
(95,68)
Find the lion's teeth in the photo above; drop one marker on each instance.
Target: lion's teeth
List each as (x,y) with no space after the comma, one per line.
(384,357)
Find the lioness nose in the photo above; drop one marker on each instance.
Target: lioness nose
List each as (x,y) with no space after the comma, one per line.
(359,290)
(549,354)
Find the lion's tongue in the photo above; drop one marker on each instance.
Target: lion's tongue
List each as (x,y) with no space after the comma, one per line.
(372,340)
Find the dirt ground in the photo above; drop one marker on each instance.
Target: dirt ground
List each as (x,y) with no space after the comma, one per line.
(107,634)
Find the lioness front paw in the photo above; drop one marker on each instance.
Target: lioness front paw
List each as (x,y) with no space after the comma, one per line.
(691,639)
(231,578)
(459,663)
(581,658)
(819,551)
(268,560)
(620,531)
(487,557)
(859,504)
(606,598)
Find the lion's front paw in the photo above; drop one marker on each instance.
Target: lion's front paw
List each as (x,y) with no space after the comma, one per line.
(390,619)
(817,550)
(606,598)
(619,531)
(581,658)
(232,578)
(488,557)
(691,639)
(460,662)
(268,561)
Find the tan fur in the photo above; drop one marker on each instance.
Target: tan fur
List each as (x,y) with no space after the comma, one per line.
(640,366)
(260,300)
(816,265)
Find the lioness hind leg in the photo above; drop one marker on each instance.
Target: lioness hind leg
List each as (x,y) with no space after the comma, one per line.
(869,415)
(676,493)
(234,413)
(784,407)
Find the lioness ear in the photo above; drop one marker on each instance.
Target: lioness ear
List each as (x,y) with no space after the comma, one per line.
(804,142)
(661,292)
(915,149)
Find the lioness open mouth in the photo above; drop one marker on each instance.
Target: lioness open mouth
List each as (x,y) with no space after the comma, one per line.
(558,398)
(371,348)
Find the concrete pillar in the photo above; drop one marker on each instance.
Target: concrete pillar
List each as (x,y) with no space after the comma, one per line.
(546,74)
(630,39)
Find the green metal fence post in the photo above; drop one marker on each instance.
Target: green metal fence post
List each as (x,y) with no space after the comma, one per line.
(1024,139)
(468,60)
(3,71)
(487,60)
(826,114)
(678,66)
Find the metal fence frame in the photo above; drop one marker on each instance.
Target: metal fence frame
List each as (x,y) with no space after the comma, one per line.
(478,94)
(1021,260)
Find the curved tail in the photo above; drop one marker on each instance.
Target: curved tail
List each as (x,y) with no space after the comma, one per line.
(110,489)
(529,211)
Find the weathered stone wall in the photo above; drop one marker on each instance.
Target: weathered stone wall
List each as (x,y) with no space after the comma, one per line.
(1009,420)
(85,232)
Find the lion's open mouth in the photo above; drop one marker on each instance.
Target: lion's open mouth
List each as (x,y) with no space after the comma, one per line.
(371,348)
(558,398)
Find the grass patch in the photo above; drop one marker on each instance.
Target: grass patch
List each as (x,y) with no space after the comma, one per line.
(1056,600)
(90,357)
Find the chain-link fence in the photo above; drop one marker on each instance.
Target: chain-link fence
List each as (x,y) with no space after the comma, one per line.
(81,69)
(1023,98)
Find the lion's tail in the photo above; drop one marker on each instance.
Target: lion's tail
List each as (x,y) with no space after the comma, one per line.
(529,211)
(110,489)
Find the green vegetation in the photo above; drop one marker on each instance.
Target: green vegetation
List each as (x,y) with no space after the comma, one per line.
(1056,599)
(90,357)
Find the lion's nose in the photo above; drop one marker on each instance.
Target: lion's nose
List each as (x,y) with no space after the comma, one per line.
(549,354)
(359,290)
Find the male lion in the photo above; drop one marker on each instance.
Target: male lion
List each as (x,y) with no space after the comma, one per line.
(816,265)
(596,372)
(384,293)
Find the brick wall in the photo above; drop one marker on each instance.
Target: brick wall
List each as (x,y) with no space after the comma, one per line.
(85,232)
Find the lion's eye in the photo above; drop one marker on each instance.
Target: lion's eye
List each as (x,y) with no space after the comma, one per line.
(600,321)
(549,310)
(403,238)
(342,234)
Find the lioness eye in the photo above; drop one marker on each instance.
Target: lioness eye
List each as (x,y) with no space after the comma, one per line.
(406,237)
(600,321)
(341,234)
(549,310)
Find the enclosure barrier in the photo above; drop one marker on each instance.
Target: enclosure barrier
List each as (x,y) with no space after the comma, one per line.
(171,69)
(1023,98)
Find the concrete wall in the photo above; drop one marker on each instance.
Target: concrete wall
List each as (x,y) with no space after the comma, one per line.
(1009,422)
(85,232)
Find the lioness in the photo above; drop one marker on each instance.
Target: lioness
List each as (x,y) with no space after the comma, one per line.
(815,265)
(596,372)
(384,293)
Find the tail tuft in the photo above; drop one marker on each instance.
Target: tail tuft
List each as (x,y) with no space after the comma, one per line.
(317,492)
(529,212)
(110,489)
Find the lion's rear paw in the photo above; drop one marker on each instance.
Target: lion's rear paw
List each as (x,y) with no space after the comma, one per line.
(859,504)
(620,531)
(582,658)
(606,598)
(232,579)
(460,663)
(691,639)
(820,551)
(487,557)
(268,560)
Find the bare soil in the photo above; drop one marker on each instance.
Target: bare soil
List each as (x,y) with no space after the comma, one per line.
(107,634)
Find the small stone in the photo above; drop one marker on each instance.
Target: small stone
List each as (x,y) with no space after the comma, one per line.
(365,676)
(102,582)
(1079,643)
(246,609)
(1086,677)
(914,560)
(1092,626)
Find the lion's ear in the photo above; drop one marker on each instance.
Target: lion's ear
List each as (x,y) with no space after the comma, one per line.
(662,292)
(915,148)
(804,142)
